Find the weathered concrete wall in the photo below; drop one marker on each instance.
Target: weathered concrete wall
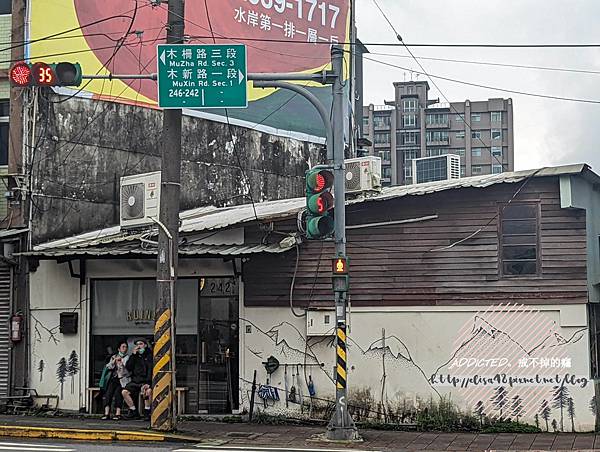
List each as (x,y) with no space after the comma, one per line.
(86,146)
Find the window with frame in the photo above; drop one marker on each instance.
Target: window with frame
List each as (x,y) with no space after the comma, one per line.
(475,117)
(410,105)
(437,119)
(410,137)
(435,152)
(476,169)
(459,118)
(365,123)
(476,134)
(387,172)
(497,169)
(476,152)
(496,116)
(463,171)
(409,120)
(385,155)
(497,151)
(381,121)
(460,135)
(381,138)
(496,134)
(519,244)
(437,135)
(460,152)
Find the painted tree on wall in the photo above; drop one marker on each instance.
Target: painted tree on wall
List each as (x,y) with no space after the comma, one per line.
(536,418)
(61,374)
(517,407)
(560,397)
(545,412)
(499,399)
(40,369)
(73,368)
(571,412)
(480,411)
(554,425)
(592,405)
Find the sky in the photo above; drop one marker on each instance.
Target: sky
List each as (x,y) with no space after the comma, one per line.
(547,132)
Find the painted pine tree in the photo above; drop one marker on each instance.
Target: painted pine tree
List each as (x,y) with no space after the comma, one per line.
(571,412)
(554,425)
(592,405)
(536,418)
(40,369)
(61,374)
(480,411)
(545,412)
(499,399)
(560,397)
(517,407)
(73,368)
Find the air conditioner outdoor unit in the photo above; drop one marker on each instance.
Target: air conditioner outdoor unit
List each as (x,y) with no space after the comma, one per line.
(437,168)
(363,174)
(140,199)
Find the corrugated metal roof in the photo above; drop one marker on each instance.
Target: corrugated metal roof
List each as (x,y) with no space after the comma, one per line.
(192,250)
(212,218)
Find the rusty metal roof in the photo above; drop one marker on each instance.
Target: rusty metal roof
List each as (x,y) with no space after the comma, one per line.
(212,218)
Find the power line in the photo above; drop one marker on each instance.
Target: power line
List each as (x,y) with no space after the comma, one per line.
(489,63)
(479,85)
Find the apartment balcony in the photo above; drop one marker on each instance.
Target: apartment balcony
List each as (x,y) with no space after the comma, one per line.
(439,142)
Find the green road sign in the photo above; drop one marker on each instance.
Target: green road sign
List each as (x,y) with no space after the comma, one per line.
(202,76)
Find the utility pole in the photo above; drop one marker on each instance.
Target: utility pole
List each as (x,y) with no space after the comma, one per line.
(163,375)
(341,426)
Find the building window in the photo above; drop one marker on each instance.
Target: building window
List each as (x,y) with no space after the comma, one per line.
(496,134)
(5,6)
(463,171)
(476,134)
(460,152)
(460,135)
(365,124)
(411,90)
(475,117)
(459,118)
(381,121)
(496,116)
(437,119)
(497,169)
(410,137)
(410,105)
(387,172)
(437,136)
(381,138)
(385,155)
(409,120)
(519,239)
(408,156)
(435,152)
(476,152)
(4,130)
(497,151)
(476,169)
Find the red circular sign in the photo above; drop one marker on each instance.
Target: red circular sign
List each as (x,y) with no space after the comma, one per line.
(20,74)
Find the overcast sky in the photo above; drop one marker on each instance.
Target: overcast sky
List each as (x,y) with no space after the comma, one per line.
(547,132)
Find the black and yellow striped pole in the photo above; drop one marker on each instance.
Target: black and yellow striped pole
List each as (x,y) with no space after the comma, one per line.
(342,365)
(162,374)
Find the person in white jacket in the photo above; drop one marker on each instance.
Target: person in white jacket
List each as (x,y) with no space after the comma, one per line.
(119,378)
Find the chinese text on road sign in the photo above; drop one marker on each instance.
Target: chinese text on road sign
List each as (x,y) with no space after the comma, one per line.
(202,76)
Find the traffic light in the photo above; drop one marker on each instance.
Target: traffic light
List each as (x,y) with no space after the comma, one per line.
(23,74)
(319,202)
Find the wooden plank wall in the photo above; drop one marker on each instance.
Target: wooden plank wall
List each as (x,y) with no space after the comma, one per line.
(402,265)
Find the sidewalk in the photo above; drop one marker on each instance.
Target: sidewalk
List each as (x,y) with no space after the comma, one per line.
(216,434)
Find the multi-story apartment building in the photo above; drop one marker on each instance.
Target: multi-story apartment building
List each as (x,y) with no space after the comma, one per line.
(413,126)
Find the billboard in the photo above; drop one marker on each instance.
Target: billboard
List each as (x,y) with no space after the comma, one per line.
(120,37)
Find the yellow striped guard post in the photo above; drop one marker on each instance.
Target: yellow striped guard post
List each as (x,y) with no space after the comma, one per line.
(162,391)
(341,357)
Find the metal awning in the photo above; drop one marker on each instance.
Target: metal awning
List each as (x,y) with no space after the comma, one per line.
(187,251)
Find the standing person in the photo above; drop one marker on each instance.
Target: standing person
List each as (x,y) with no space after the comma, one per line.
(139,365)
(119,377)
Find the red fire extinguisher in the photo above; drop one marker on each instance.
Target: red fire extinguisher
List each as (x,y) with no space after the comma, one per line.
(16,328)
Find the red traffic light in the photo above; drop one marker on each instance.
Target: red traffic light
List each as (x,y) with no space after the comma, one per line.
(20,74)
(43,74)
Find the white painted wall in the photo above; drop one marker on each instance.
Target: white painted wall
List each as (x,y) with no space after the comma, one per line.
(421,342)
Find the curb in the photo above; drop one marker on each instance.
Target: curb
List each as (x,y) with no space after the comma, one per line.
(90,435)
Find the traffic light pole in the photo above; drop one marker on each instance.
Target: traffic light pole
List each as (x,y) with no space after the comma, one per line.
(341,427)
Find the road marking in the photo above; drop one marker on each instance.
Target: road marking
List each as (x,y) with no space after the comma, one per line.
(2,443)
(35,447)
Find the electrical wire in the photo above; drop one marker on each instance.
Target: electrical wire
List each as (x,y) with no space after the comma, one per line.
(303,314)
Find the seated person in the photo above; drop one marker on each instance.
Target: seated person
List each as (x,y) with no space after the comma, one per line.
(139,365)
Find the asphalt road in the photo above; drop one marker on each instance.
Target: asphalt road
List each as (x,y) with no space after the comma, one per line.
(72,446)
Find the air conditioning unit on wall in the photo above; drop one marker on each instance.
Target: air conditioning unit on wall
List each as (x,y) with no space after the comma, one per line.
(140,199)
(363,174)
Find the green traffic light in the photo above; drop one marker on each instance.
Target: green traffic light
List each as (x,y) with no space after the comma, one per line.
(319,227)
(68,74)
